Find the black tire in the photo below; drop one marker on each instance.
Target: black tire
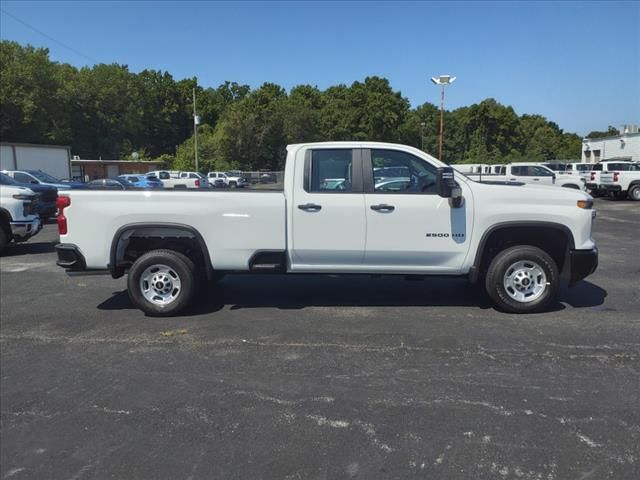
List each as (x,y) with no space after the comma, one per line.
(495,281)
(634,193)
(4,239)
(178,264)
(233,185)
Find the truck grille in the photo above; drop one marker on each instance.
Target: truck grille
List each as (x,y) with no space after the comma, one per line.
(29,207)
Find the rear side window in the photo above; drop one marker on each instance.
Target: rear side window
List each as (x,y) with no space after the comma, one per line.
(597,167)
(22,177)
(331,170)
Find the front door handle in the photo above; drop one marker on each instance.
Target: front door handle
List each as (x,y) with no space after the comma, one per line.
(383,207)
(310,207)
(536,179)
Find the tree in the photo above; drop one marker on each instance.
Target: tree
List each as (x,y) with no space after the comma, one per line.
(611,132)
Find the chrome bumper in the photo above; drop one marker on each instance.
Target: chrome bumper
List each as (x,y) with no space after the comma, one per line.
(23,230)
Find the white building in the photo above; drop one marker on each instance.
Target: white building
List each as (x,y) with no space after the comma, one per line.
(52,159)
(625,146)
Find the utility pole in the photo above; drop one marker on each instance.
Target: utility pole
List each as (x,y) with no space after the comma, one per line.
(442,80)
(196,122)
(422,125)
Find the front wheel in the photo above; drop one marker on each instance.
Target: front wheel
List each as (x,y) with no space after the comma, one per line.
(161,283)
(522,279)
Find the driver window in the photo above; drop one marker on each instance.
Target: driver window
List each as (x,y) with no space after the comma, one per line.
(540,172)
(400,172)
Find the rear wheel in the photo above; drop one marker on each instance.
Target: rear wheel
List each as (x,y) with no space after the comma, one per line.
(161,283)
(4,239)
(522,279)
(634,193)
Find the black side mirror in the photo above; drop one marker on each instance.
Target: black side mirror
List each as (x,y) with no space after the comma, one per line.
(445,182)
(447,187)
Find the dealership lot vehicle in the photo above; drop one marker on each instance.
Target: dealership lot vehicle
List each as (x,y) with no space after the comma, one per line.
(530,173)
(38,177)
(180,180)
(622,184)
(320,375)
(519,241)
(110,184)
(45,207)
(593,180)
(18,218)
(229,179)
(142,181)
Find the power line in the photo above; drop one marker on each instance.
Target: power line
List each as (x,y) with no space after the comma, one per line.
(49,36)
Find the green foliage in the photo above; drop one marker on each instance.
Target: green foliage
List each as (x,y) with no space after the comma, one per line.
(611,132)
(109,112)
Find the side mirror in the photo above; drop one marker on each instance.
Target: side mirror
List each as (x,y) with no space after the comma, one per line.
(447,187)
(445,182)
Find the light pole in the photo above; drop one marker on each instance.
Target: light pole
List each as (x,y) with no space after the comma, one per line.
(422,125)
(196,122)
(442,80)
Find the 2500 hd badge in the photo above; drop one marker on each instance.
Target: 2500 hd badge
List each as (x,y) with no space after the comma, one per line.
(445,235)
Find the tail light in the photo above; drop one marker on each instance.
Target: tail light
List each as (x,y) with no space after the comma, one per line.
(197,183)
(616,176)
(62,203)
(593,176)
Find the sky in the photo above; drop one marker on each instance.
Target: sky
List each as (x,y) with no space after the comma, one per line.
(577,63)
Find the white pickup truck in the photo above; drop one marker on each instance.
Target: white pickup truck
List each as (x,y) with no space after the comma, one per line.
(625,183)
(519,241)
(532,173)
(18,220)
(597,169)
(180,180)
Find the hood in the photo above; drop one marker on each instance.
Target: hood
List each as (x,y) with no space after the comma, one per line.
(39,188)
(541,194)
(10,190)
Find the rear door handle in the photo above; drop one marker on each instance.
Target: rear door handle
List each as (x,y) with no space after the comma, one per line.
(383,207)
(536,179)
(310,207)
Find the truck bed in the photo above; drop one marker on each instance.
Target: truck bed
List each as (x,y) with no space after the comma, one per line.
(232,224)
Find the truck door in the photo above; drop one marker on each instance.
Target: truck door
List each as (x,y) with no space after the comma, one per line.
(327,214)
(410,228)
(531,174)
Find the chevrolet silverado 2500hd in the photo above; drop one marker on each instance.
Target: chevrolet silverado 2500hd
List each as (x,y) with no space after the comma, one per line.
(18,220)
(520,241)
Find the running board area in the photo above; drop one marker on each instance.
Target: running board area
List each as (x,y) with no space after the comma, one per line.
(268,262)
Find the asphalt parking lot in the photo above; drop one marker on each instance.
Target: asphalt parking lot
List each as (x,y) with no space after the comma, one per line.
(321,377)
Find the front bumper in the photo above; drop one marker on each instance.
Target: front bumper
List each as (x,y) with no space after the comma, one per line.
(24,230)
(70,258)
(582,263)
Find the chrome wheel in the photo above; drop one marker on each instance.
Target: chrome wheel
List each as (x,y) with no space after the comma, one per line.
(160,284)
(525,281)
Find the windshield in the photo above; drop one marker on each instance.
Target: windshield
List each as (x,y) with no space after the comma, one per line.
(43,177)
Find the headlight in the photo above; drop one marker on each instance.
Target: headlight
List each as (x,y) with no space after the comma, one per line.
(586,204)
(23,196)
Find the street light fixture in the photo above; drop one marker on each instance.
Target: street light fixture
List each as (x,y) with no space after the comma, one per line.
(442,80)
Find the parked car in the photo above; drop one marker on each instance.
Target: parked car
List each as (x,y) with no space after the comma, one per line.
(230,179)
(142,180)
(593,181)
(268,177)
(110,184)
(180,180)
(572,168)
(516,239)
(38,177)
(622,184)
(18,218)
(47,195)
(216,179)
(532,173)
